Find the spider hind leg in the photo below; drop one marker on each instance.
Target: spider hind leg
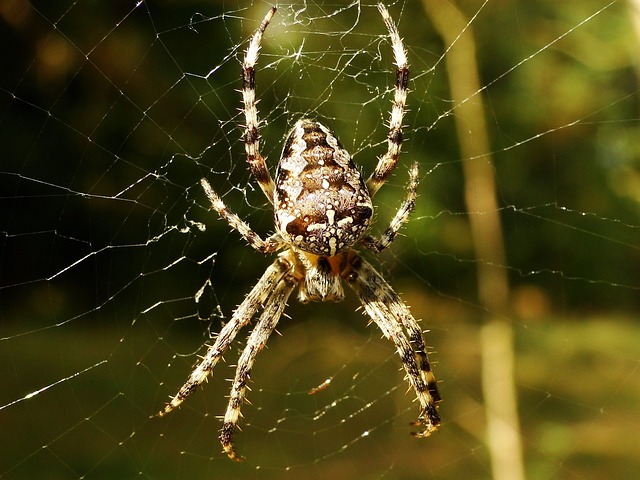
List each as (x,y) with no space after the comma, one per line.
(257,163)
(270,279)
(388,161)
(393,317)
(274,306)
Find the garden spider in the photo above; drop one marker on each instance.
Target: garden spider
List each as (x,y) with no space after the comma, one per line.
(322,209)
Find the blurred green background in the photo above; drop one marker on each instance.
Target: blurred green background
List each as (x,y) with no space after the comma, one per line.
(114,273)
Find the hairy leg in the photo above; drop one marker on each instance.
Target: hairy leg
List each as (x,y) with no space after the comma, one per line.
(270,279)
(273,309)
(387,310)
(401,217)
(271,244)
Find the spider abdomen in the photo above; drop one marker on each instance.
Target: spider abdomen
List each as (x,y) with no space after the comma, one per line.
(322,205)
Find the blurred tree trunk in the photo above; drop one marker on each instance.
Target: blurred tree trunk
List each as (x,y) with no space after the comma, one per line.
(634,14)
(503,431)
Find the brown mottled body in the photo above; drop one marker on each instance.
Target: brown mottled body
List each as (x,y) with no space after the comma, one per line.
(322,205)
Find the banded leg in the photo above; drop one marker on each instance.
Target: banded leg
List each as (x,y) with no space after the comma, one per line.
(390,314)
(273,309)
(257,164)
(271,244)
(388,161)
(271,278)
(401,217)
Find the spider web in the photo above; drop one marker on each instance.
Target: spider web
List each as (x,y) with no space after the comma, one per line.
(114,273)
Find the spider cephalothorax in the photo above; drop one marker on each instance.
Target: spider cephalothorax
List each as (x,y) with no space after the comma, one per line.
(322,211)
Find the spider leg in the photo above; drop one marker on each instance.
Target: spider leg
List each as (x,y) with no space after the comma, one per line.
(273,309)
(400,218)
(388,161)
(271,278)
(271,244)
(387,310)
(257,164)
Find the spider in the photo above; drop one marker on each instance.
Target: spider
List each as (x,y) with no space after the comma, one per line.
(323,209)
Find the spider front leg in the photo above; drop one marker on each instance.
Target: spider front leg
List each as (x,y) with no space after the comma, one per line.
(387,310)
(257,164)
(273,309)
(243,314)
(388,161)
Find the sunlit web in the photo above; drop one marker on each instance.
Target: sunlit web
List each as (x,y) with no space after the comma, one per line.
(114,273)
